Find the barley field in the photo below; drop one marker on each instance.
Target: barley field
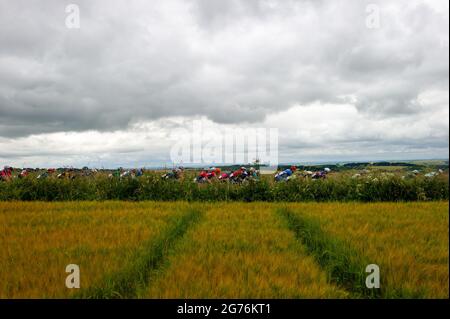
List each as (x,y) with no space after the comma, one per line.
(408,241)
(242,251)
(223,250)
(38,240)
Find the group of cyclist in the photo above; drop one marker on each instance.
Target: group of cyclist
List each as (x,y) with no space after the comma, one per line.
(289,173)
(212,174)
(123,173)
(176,173)
(8,173)
(238,176)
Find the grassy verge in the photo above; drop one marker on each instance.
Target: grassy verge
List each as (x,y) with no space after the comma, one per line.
(344,266)
(126,282)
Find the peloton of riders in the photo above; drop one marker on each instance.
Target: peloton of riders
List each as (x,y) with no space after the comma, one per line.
(6,174)
(289,174)
(176,173)
(238,176)
(206,176)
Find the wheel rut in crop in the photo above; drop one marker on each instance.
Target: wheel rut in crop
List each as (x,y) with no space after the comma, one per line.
(344,266)
(241,251)
(136,276)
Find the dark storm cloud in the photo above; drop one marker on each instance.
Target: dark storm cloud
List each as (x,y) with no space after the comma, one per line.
(231,61)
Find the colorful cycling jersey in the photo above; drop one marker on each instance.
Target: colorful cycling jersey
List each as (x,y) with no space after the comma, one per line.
(237,173)
(6,172)
(287,172)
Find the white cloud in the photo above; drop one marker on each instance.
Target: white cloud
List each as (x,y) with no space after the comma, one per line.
(111,92)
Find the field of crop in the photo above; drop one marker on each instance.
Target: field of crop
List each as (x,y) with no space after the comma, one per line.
(229,250)
(38,240)
(408,241)
(241,251)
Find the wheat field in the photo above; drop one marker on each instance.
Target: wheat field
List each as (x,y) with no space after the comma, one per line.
(38,240)
(242,251)
(408,241)
(223,250)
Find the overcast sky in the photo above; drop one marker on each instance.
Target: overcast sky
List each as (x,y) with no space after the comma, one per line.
(341,80)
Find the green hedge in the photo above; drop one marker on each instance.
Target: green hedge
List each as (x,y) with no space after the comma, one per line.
(152,187)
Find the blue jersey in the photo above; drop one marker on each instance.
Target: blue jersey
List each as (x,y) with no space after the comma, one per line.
(287,172)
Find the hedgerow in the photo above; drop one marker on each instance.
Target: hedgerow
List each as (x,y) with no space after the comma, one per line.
(153,187)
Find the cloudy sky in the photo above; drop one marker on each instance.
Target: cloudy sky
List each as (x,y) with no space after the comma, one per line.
(340,80)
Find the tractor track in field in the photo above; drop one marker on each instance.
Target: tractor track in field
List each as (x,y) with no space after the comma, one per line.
(128,282)
(344,266)
(241,254)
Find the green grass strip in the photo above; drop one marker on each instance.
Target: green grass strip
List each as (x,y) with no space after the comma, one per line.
(344,266)
(127,282)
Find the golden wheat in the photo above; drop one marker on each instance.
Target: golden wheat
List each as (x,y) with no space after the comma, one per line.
(408,241)
(236,251)
(241,251)
(38,240)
